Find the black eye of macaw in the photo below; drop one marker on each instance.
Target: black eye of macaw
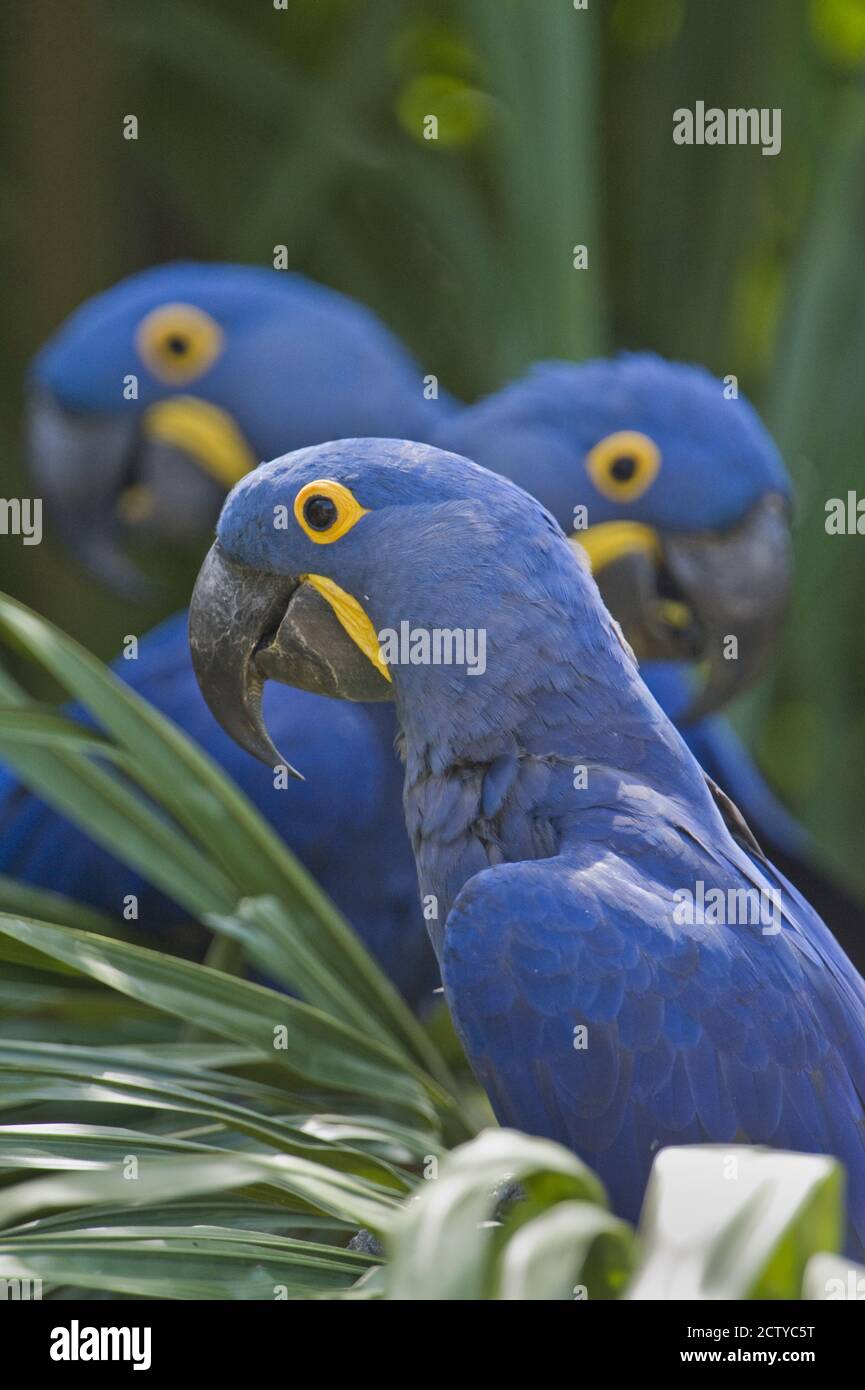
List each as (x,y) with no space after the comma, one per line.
(177,345)
(319,512)
(623,468)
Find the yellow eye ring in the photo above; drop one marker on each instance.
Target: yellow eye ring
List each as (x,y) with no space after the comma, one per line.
(624,465)
(178,342)
(325,510)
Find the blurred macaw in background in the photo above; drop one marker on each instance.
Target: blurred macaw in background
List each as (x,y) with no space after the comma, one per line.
(154,397)
(611,984)
(677,492)
(228,364)
(231,363)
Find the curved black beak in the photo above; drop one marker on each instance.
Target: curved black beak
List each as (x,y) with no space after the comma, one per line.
(738,584)
(247,626)
(80,465)
(712,597)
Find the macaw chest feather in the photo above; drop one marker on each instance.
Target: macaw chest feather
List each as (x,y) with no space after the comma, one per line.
(475,816)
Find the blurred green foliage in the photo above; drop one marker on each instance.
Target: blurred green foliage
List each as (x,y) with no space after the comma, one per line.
(303,126)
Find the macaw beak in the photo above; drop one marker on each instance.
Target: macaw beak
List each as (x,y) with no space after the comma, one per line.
(684,596)
(157,476)
(247,626)
(79,464)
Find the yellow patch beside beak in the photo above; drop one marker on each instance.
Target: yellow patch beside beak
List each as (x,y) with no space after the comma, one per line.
(205,432)
(136,503)
(353,618)
(610,540)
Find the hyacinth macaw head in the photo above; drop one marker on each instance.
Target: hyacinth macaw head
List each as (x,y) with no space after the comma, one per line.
(321,554)
(155,397)
(668,479)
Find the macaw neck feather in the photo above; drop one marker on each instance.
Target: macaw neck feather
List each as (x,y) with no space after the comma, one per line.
(558,740)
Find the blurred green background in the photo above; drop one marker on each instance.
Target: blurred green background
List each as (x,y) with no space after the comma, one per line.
(302,126)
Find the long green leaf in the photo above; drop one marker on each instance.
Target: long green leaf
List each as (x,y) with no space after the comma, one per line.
(28,1145)
(198,1262)
(234,1209)
(312,1048)
(17,897)
(163,1180)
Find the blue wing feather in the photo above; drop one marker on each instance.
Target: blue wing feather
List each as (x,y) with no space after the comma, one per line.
(705,1040)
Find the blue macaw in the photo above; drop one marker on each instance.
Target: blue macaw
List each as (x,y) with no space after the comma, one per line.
(154,397)
(677,492)
(624,967)
(231,363)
